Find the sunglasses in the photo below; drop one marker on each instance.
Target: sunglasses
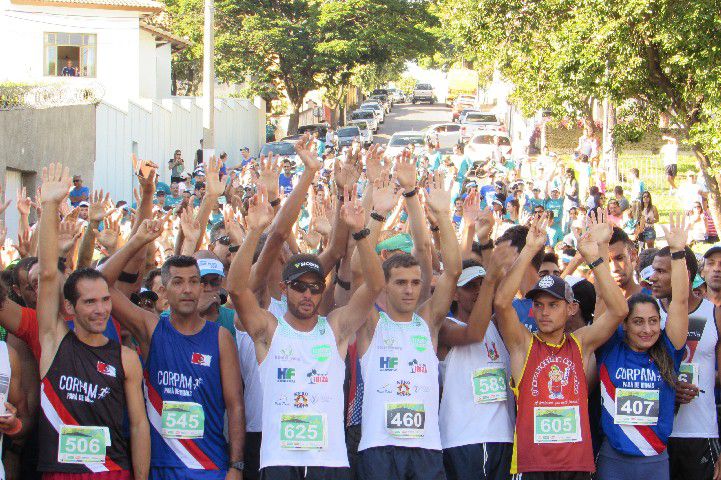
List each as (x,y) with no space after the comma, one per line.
(213,282)
(301,287)
(224,240)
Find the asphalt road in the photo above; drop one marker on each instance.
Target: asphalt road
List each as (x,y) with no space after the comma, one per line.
(411,117)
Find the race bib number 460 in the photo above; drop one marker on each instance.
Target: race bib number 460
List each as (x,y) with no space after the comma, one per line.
(489,385)
(636,407)
(183,420)
(406,420)
(303,432)
(78,444)
(556,424)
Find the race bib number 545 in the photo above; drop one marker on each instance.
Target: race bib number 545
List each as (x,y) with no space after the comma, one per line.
(183,420)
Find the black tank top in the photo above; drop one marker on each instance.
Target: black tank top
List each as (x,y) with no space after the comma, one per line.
(84,386)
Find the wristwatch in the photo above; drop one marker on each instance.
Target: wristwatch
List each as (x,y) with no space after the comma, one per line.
(239,465)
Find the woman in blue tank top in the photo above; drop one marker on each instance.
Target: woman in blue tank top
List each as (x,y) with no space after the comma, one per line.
(638,367)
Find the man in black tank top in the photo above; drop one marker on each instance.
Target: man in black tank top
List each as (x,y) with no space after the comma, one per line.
(88,381)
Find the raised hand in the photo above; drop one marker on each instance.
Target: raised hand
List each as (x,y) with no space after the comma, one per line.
(471,207)
(150,230)
(232,225)
(68,234)
(190,227)
(346,172)
(260,213)
(4,206)
(677,232)
(23,202)
(385,195)
(423,198)
(439,197)
(214,185)
(599,227)
(320,217)
(484,224)
(269,173)
(56,183)
(537,236)
(588,247)
(373,159)
(23,245)
(502,258)
(110,235)
(100,206)
(306,153)
(405,171)
(353,214)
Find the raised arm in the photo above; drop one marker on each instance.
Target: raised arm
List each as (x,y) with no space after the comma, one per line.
(677,322)
(593,246)
(439,201)
(137,416)
(214,188)
(515,335)
(253,318)
(56,183)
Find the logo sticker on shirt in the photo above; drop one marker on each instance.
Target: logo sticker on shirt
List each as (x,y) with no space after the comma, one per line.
(321,352)
(315,377)
(106,369)
(388,364)
(417,367)
(420,342)
(492,351)
(201,359)
(300,399)
(286,375)
(403,388)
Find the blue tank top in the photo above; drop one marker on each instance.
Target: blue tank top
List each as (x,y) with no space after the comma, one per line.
(524,310)
(630,379)
(186,368)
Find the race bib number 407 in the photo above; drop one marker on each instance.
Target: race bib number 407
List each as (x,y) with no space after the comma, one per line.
(636,407)
(183,420)
(556,424)
(79,444)
(406,420)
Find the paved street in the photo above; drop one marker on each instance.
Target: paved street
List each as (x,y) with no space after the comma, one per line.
(411,117)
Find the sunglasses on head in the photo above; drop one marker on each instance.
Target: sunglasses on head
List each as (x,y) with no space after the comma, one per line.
(213,282)
(301,287)
(224,240)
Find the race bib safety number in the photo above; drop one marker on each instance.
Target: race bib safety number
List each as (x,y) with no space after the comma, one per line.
(303,432)
(556,424)
(183,420)
(636,407)
(406,420)
(489,385)
(688,372)
(81,444)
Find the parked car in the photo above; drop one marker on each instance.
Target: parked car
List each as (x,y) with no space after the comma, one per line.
(397,95)
(401,140)
(474,121)
(423,92)
(383,100)
(482,144)
(461,103)
(377,108)
(321,128)
(280,149)
(366,135)
(382,91)
(367,115)
(446,135)
(346,136)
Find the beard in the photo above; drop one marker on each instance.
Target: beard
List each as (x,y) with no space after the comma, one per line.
(302,314)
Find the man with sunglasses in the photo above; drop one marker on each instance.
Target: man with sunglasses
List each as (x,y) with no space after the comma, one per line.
(209,304)
(79,193)
(301,353)
(222,244)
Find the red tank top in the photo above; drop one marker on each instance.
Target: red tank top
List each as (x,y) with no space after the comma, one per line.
(552,432)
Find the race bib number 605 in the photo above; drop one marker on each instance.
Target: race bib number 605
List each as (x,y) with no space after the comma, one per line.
(556,424)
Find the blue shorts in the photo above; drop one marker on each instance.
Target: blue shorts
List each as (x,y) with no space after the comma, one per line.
(400,463)
(613,465)
(480,461)
(170,473)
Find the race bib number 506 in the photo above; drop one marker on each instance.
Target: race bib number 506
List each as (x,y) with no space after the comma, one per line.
(79,444)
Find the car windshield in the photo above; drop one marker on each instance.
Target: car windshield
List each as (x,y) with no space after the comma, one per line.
(370,106)
(403,140)
(282,148)
(481,118)
(423,86)
(361,125)
(488,140)
(348,132)
(362,114)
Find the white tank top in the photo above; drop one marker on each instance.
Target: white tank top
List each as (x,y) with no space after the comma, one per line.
(400,392)
(252,391)
(278,307)
(697,419)
(477,404)
(302,379)
(5,375)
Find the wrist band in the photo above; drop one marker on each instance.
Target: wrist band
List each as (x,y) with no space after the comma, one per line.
(488,245)
(341,198)
(411,193)
(377,216)
(16,429)
(680,255)
(126,277)
(361,235)
(275,203)
(595,263)
(342,284)
(435,228)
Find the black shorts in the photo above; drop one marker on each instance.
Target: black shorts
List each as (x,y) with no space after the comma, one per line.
(305,473)
(692,457)
(352,439)
(480,461)
(553,476)
(671,170)
(251,455)
(400,463)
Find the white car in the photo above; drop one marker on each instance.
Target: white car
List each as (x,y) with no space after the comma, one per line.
(445,134)
(376,107)
(357,129)
(402,140)
(474,121)
(368,116)
(483,144)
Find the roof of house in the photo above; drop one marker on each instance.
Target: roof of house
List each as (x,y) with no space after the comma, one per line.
(150,6)
(163,36)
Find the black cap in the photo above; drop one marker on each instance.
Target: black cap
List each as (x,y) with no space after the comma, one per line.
(147,294)
(299,265)
(554,286)
(712,250)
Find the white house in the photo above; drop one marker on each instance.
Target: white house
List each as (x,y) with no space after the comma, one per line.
(109,48)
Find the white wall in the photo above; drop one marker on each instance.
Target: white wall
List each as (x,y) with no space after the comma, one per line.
(160,127)
(162,71)
(147,67)
(21,34)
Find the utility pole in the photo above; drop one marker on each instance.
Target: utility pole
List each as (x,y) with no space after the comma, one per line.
(208,78)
